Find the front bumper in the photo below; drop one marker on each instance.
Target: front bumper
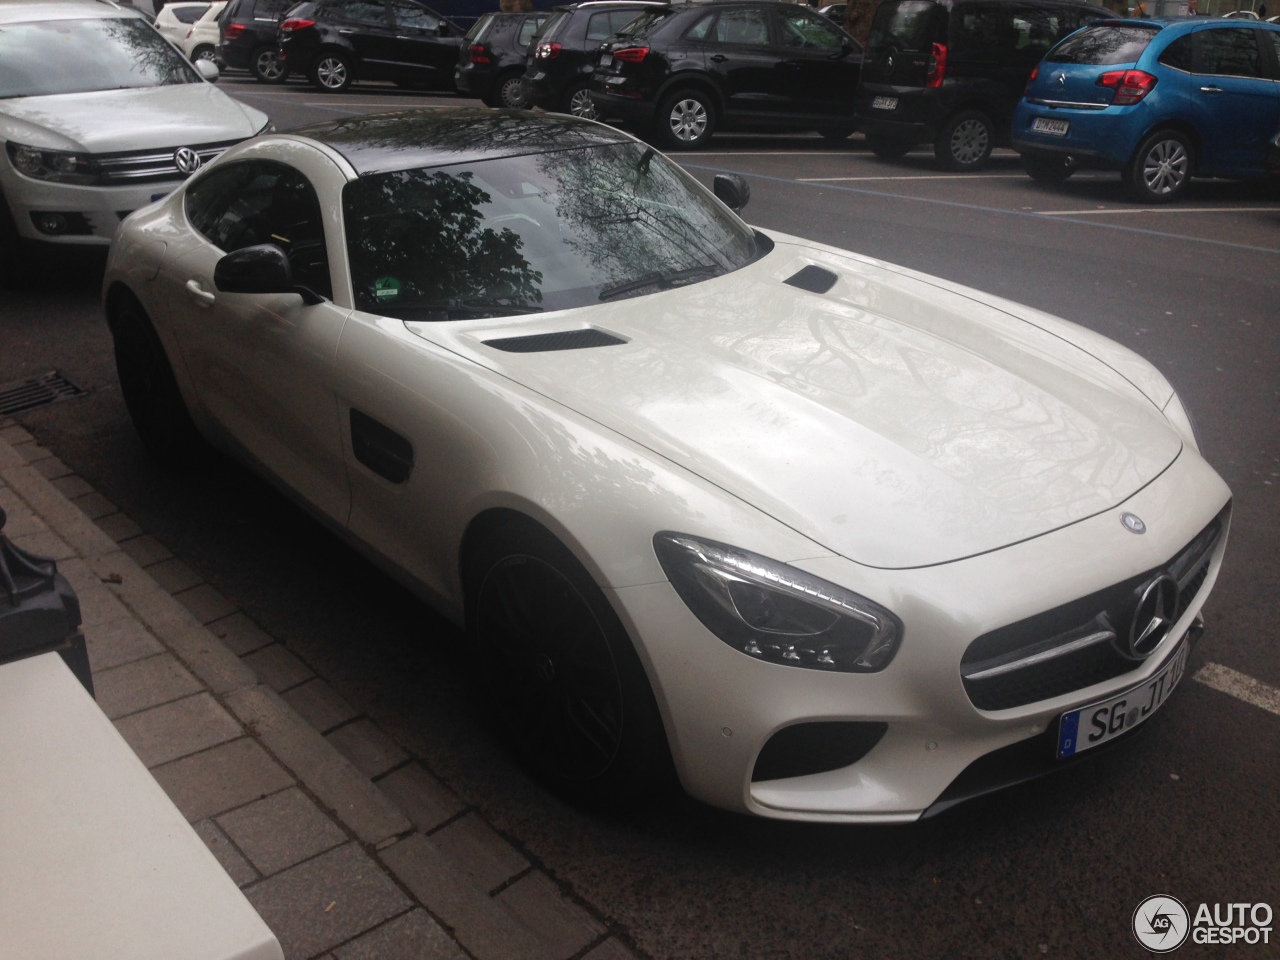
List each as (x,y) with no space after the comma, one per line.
(721,706)
(94,212)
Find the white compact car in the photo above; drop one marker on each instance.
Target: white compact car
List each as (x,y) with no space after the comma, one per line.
(839,540)
(200,42)
(99,116)
(175,19)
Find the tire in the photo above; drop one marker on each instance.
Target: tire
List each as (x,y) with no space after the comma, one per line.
(508,92)
(836,132)
(577,101)
(206,51)
(557,670)
(1051,170)
(15,259)
(889,149)
(266,67)
(150,391)
(331,72)
(964,143)
(1161,168)
(685,120)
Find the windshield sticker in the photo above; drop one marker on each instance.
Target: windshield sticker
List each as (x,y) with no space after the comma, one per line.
(386,288)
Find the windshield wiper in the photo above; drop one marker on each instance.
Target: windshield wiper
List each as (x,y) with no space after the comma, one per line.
(472,308)
(663,281)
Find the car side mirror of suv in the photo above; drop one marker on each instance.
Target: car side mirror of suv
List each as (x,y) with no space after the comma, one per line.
(732,190)
(262,268)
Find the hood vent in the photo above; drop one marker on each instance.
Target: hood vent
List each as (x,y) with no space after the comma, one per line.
(814,279)
(561,340)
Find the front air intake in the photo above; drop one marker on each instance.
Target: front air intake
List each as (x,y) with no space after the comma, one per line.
(812,278)
(561,340)
(806,748)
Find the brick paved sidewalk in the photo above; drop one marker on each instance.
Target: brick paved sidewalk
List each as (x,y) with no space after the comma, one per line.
(347,847)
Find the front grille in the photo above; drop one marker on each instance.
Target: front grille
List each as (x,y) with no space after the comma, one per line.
(1072,646)
(155,165)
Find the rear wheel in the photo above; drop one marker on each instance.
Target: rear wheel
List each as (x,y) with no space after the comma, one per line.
(1047,169)
(964,143)
(508,92)
(887,149)
(577,101)
(205,51)
(331,72)
(267,67)
(686,119)
(1161,168)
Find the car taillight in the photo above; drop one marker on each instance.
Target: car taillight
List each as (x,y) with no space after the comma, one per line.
(233,30)
(548,51)
(937,65)
(631,54)
(1035,72)
(477,53)
(297,23)
(1130,86)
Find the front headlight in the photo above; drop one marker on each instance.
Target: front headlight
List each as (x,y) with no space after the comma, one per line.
(1178,415)
(61,166)
(774,612)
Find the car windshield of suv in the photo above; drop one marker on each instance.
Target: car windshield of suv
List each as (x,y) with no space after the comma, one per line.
(523,234)
(1103,43)
(641,24)
(903,26)
(79,56)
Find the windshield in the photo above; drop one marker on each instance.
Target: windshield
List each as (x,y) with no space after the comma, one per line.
(78,56)
(1102,44)
(545,231)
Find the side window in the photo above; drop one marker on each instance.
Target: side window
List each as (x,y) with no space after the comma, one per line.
(253,202)
(1035,30)
(620,18)
(981,32)
(743,27)
(270,9)
(412,15)
(1180,53)
(1275,43)
(598,28)
(799,30)
(1230,52)
(528,27)
(360,11)
(700,29)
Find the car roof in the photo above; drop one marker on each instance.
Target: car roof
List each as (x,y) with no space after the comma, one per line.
(20,11)
(410,139)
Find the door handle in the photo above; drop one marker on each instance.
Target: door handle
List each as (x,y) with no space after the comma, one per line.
(718,58)
(1211,90)
(346,33)
(199,294)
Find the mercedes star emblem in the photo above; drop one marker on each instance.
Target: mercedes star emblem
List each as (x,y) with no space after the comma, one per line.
(186,159)
(1156,613)
(1133,523)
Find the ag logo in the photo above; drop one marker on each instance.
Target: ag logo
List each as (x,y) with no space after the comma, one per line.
(1161,923)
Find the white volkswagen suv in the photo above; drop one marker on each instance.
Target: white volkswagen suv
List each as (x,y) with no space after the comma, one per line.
(99,115)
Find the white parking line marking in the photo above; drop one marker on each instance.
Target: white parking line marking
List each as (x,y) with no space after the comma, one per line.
(1104,213)
(1242,687)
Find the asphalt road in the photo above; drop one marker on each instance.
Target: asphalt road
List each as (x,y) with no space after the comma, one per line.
(1053,868)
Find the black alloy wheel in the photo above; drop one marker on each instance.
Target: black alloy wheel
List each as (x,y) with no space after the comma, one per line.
(558,671)
(1161,168)
(267,67)
(685,120)
(887,149)
(965,141)
(1051,170)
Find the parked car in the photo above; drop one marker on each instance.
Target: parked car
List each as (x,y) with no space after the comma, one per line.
(492,57)
(839,540)
(951,72)
(834,11)
(70,170)
(686,70)
(1159,100)
(336,42)
(559,63)
(201,39)
(248,30)
(174,19)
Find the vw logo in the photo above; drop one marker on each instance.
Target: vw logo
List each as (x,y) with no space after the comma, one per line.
(1157,610)
(1133,523)
(186,160)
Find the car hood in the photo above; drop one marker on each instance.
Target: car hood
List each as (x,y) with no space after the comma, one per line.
(106,121)
(896,420)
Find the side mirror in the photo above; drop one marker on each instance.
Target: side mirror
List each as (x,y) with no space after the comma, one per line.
(262,268)
(732,190)
(207,69)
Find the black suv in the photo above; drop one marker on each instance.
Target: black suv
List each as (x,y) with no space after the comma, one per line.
(335,42)
(247,37)
(492,58)
(688,69)
(950,72)
(564,52)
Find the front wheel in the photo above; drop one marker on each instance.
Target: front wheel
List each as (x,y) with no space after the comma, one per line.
(686,119)
(1051,170)
(1161,168)
(267,67)
(964,143)
(331,73)
(577,101)
(557,669)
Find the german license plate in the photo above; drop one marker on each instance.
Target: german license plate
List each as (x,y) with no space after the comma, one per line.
(1055,128)
(606,59)
(1094,725)
(884,103)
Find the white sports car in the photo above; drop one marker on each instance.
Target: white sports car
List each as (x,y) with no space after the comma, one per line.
(839,540)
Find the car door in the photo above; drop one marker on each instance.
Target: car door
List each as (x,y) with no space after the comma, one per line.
(260,364)
(1236,103)
(741,55)
(366,26)
(819,66)
(983,61)
(423,42)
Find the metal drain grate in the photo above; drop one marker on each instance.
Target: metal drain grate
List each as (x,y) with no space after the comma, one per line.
(37,392)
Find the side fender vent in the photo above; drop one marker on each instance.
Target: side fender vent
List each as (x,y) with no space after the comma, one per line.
(814,279)
(561,340)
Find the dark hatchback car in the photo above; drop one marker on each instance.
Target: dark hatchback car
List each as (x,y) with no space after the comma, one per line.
(336,42)
(247,37)
(951,72)
(684,71)
(492,57)
(559,64)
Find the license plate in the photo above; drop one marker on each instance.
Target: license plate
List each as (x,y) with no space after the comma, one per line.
(606,59)
(884,103)
(1094,725)
(1055,128)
